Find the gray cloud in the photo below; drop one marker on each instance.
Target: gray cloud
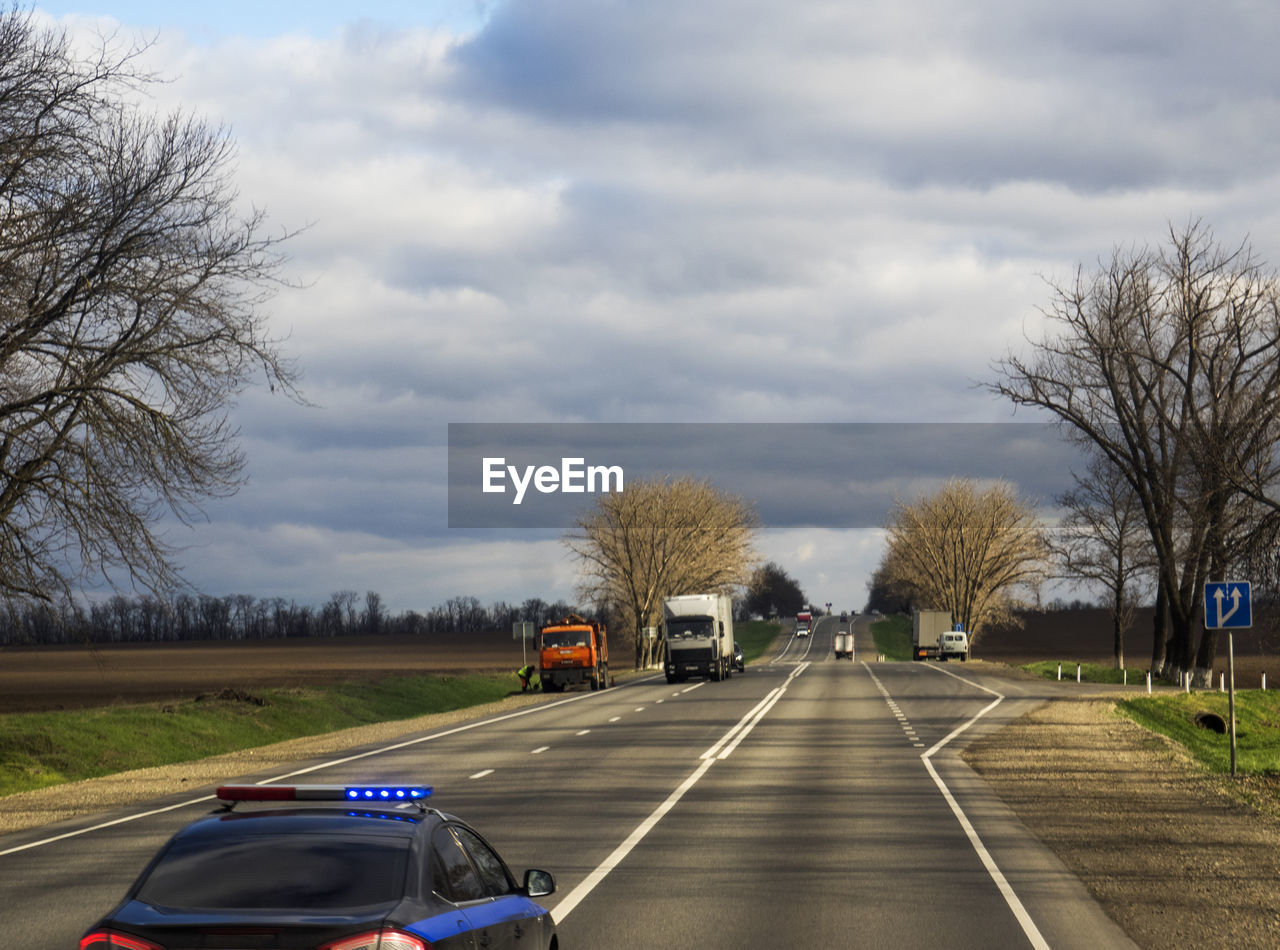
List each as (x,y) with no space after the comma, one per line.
(717,212)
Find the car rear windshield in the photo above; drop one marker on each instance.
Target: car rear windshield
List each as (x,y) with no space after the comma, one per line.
(298,872)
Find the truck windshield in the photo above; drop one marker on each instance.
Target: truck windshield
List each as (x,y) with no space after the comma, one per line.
(685,628)
(565,638)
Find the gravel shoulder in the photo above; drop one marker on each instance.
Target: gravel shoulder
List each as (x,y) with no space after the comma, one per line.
(1169,852)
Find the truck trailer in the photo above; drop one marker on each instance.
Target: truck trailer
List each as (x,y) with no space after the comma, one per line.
(697,630)
(934,638)
(571,652)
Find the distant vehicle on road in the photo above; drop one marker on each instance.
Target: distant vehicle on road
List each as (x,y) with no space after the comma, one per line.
(933,637)
(698,632)
(844,646)
(336,868)
(573,651)
(739,663)
(844,616)
(802,631)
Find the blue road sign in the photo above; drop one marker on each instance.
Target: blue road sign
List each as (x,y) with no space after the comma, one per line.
(1227,605)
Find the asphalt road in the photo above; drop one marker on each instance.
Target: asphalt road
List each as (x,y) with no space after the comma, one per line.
(810,802)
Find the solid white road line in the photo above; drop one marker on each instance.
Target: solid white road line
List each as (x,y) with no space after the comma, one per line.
(740,729)
(1002,884)
(314,768)
(588,883)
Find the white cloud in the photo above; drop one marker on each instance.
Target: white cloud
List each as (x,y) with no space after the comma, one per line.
(672,211)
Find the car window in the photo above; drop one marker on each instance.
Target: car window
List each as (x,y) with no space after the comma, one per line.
(492,871)
(453,876)
(272,871)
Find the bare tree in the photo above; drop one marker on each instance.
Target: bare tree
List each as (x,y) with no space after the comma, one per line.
(1102,539)
(661,539)
(375,613)
(1168,361)
(130,294)
(967,550)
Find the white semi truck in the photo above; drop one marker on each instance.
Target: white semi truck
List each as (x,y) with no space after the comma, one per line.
(698,632)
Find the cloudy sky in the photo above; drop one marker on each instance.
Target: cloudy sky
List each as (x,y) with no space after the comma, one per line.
(751,212)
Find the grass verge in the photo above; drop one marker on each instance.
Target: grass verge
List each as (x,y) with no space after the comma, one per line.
(1257,727)
(1089,672)
(38,750)
(755,637)
(892,637)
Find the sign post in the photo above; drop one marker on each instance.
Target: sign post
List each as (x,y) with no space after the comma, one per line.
(522,630)
(1228,606)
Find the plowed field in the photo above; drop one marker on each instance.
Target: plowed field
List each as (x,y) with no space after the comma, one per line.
(81,676)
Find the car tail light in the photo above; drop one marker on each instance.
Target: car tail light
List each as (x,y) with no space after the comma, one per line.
(384,939)
(109,940)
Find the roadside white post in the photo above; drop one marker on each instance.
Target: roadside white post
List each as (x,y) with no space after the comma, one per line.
(1059,671)
(1077,672)
(1264,681)
(1148,682)
(1222,682)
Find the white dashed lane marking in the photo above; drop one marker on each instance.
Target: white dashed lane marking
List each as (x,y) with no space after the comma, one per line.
(580,732)
(907,729)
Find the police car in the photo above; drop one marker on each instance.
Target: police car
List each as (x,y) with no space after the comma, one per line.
(336,867)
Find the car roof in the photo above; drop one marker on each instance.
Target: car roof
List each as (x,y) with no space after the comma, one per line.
(329,820)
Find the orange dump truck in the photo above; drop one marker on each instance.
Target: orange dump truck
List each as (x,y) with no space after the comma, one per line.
(573,651)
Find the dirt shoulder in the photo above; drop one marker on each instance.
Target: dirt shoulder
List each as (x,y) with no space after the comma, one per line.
(1170,855)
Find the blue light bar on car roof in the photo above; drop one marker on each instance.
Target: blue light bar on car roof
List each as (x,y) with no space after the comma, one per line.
(323,793)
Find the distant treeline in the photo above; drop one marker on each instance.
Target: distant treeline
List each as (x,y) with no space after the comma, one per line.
(186,617)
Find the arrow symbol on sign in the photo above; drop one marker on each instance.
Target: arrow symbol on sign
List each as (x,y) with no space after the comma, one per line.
(1218,595)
